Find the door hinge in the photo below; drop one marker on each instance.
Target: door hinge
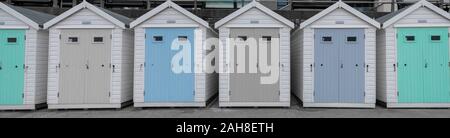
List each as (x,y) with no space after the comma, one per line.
(57,94)
(396,35)
(398,93)
(193,92)
(25,37)
(229,93)
(109,94)
(145,36)
(23,95)
(279,93)
(364,93)
(314,93)
(110,36)
(60,37)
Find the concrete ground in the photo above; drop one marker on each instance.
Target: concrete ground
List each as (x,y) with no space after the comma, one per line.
(213,111)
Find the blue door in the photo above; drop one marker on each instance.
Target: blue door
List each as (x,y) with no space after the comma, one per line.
(339,66)
(326,73)
(162,84)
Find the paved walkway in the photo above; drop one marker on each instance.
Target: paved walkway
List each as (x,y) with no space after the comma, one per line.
(214,111)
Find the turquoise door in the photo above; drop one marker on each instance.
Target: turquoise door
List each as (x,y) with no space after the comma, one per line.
(12,53)
(423,58)
(162,84)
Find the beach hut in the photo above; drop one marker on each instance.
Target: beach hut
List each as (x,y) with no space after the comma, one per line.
(160,80)
(247,79)
(23,58)
(333,59)
(413,57)
(90,59)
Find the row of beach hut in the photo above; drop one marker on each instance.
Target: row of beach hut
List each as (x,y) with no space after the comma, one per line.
(89,57)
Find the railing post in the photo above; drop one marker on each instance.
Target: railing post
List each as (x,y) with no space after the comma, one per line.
(393,3)
(55,3)
(74,3)
(290,5)
(102,3)
(149,4)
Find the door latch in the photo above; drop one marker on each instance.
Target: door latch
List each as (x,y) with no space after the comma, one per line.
(311,67)
(114,68)
(367,68)
(395,68)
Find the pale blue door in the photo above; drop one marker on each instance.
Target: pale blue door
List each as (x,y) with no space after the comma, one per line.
(339,66)
(162,83)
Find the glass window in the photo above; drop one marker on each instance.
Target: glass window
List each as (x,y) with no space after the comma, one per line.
(267,38)
(157,38)
(12,40)
(327,39)
(72,39)
(351,39)
(242,38)
(98,40)
(435,38)
(410,38)
(182,38)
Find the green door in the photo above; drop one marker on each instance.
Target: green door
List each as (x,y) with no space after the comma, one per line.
(12,53)
(423,75)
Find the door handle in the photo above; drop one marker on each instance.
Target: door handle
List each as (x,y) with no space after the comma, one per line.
(114,68)
(367,68)
(311,67)
(140,67)
(87,66)
(426,65)
(342,66)
(16,66)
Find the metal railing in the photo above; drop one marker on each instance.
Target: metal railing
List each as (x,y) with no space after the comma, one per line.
(370,5)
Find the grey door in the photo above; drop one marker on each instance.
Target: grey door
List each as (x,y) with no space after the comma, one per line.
(339,66)
(85,66)
(246,86)
(73,59)
(99,72)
